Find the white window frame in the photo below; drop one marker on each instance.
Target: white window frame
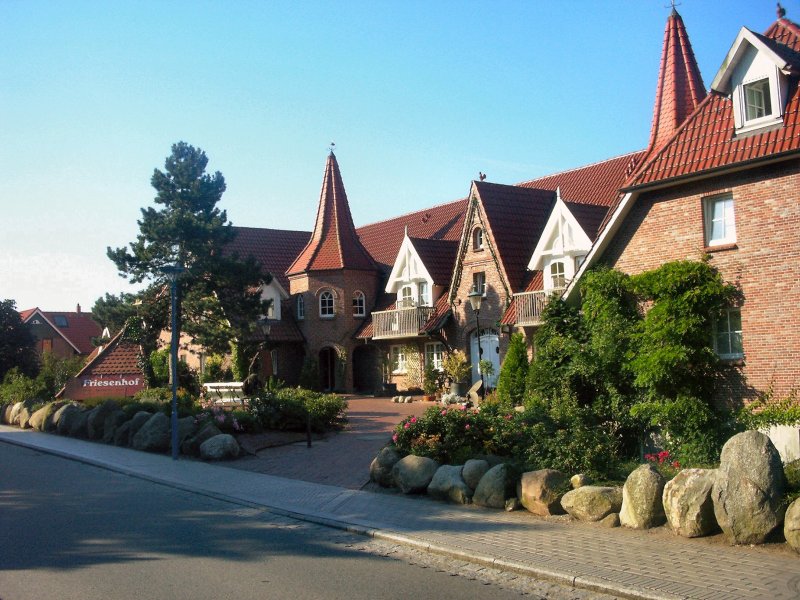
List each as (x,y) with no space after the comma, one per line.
(759,87)
(300,307)
(434,354)
(477,239)
(727,219)
(734,348)
(423,295)
(398,358)
(405,297)
(558,280)
(327,308)
(479,280)
(359,304)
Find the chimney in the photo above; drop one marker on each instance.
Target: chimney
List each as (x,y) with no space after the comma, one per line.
(78,308)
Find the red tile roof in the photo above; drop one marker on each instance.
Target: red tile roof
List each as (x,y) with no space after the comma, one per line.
(438,256)
(334,244)
(706,142)
(274,249)
(119,356)
(589,217)
(441,222)
(442,311)
(79,330)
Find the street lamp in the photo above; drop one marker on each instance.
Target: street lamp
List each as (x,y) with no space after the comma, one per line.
(173,273)
(475,299)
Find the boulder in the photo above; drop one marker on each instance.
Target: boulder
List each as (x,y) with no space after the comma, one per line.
(380,469)
(65,417)
(24,414)
(642,505)
(113,420)
(448,484)
(473,470)
(540,491)
(138,420)
(78,426)
(592,502)
(42,416)
(791,525)
(609,521)
(5,412)
(13,414)
(219,447)
(580,480)
(153,436)
(688,505)
(122,435)
(191,446)
(748,488)
(95,427)
(496,486)
(412,474)
(55,420)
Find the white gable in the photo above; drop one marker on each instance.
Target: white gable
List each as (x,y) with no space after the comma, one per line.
(562,236)
(274,292)
(408,268)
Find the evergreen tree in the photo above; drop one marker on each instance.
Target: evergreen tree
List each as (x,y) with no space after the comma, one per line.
(16,342)
(513,373)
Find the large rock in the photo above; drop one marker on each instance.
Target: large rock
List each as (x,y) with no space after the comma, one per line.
(540,491)
(78,426)
(40,419)
(219,447)
(791,525)
(95,426)
(13,413)
(688,505)
(474,469)
(496,486)
(642,505)
(4,408)
(113,420)
(380,469)
(24,414)
(412,474)
(122,435)
(191,446)
(138,420)
(153,435)
(592,502)
(448,484)
(748,488)
(65,417)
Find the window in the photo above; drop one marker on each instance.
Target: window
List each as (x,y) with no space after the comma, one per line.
(757,101)
(60,321)
(301,308)
(271,309)
(398,357)
(479,282)
(728,335)
(558,278)
(359,304)
(433,354)
(477,239)
(406,297)
(423,294)
(720,221)
(326,308)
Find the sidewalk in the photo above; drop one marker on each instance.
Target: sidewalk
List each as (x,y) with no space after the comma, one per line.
(623,562)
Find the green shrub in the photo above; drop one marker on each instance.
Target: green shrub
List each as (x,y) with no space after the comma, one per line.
(309,374)
(216,370)
(514,371)
(290,409)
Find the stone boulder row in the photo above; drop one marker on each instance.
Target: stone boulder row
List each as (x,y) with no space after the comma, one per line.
(122,435)
(540,491)
(219,447)
(380,469)
(474,469)
(448,484)
(496,486)
(153,436)
(13,413)
(65,417)
(138,420)
(3,409)
(24,414)
(791,525)
(688,504)
(113,420)
(642,504)
(186,429)
(95,426)
(78,427)
(592,502)
(191,446)
(41,418)
(748,488)
(412,474)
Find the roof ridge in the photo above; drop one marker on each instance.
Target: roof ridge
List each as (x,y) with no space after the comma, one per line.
(574,169)
(413,212)
(270,229)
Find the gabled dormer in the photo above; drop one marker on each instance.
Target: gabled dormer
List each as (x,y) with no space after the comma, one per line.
(274,294)
(755,74)
(409,280)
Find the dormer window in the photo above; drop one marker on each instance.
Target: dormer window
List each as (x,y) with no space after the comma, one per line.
(477,239)
(406,297)
(757,100)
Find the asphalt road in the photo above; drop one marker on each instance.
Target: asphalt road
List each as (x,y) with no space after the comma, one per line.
(72,531)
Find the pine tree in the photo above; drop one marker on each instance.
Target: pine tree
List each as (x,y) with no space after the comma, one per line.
(513,373)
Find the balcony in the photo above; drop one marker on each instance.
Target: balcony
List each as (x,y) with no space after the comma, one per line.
(530,305)
(401,322)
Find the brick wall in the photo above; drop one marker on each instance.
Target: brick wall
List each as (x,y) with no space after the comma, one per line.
(765,262)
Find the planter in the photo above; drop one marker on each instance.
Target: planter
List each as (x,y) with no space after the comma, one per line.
(429,398)
(459,389)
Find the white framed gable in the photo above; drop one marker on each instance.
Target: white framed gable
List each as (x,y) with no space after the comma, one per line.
(409,278)
(562,237)
(274,293)
(756,79)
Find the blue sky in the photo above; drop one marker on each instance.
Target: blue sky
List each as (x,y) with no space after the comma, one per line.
(418,96)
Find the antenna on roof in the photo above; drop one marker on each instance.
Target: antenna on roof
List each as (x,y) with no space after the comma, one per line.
(332,146)
(673,4)
(781,11)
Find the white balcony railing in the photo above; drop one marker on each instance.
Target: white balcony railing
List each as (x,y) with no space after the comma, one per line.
(402,322)
(531,304)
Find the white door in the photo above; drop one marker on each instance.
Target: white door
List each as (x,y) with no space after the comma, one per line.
(490,345)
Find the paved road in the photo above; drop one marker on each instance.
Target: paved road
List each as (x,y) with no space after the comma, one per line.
(73,531)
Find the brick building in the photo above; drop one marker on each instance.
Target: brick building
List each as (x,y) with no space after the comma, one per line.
(64,334)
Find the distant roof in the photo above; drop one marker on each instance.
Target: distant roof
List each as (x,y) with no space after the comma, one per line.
(274,249)
(77,328)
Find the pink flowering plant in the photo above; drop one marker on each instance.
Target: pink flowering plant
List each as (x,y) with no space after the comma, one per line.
(664,462)
(227,421)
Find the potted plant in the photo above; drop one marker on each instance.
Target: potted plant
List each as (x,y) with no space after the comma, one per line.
(456,368)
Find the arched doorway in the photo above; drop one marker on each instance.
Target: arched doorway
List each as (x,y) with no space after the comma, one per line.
(366,369)
(488,349)
(328,363)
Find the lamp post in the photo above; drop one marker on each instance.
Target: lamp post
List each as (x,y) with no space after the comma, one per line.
(173,273)
(475,299)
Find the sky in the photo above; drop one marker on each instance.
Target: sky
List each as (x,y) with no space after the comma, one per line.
(418,96)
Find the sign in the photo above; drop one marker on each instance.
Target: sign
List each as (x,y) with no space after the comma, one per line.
(134,380)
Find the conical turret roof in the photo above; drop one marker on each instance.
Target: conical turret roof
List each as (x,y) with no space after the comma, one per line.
(334,243)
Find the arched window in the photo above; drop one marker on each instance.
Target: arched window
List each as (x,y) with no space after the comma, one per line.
(301,308)
(359,304)
(326,306)
(406,297)
(477,239)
